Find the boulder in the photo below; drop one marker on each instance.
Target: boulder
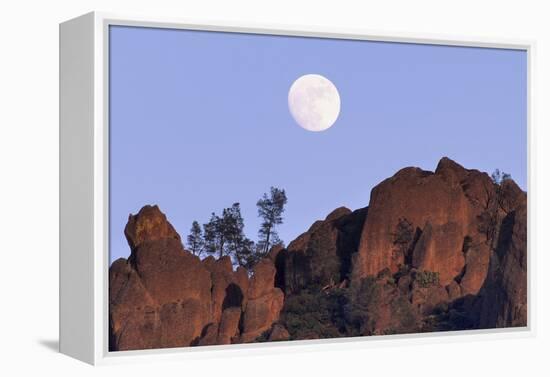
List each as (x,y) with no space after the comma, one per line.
(323,255)
(260,314)
(512,197)
(209,335)
(133,319)
(503,297)
(169,273)
(476,267)
(264,304)
(419,197)
(181,323)
(278,333)
(228,288)
(240,278)
(338,213)
(274,252)
(229,325)
(442,250)
(161,296)
(451,172)
(149,224)
(478,188)
(262,280)
(439,249)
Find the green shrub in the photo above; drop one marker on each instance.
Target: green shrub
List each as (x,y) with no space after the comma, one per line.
(363,300)
(402,310)
(325,266)
(427,278)
(404,232)
(312,315)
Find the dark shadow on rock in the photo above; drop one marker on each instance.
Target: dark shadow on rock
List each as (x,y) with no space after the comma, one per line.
(505,234)
(233,296)
(279,262)
(350,228)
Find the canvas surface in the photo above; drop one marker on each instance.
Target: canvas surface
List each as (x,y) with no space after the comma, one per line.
(268,188)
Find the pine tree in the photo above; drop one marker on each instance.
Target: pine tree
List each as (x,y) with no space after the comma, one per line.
(214,237)
(225,236)
(498,177)
(195,241)
(270,209)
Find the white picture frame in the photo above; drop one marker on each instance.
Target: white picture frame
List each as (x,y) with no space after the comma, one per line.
(84,187)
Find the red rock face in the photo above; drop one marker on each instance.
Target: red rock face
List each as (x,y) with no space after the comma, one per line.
(443,250)
(264,302)
(278,333)
(470,232)
(503,297)
(229,325)
(169,273)
(227,290)
(321,256)
(133,312)
(163,296)
(420,197)
(149,224)
(439,249)
(513,273)
(475,270)
(444,210)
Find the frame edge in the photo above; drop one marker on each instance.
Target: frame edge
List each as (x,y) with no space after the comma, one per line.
(76,196)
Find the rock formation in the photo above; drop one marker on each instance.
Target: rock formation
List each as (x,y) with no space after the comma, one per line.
(442,250)
(504,293)
(163,296)
(322,256)
(264,302)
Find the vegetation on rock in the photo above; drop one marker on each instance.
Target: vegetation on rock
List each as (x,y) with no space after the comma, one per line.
(434,251)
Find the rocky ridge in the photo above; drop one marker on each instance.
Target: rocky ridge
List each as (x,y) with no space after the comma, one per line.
(442,250)
(163,296)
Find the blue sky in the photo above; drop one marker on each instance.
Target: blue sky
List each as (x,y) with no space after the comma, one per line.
(199,120)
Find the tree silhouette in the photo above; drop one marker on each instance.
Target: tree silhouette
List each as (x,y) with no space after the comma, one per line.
(195,240)
(270,209)
(225,235)
(243,252)
(498,177)
(238,245)
(214,236)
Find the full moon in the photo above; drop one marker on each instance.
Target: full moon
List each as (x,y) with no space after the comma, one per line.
(314,102)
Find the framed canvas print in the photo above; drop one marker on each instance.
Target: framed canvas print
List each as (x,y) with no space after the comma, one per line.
(229,187)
